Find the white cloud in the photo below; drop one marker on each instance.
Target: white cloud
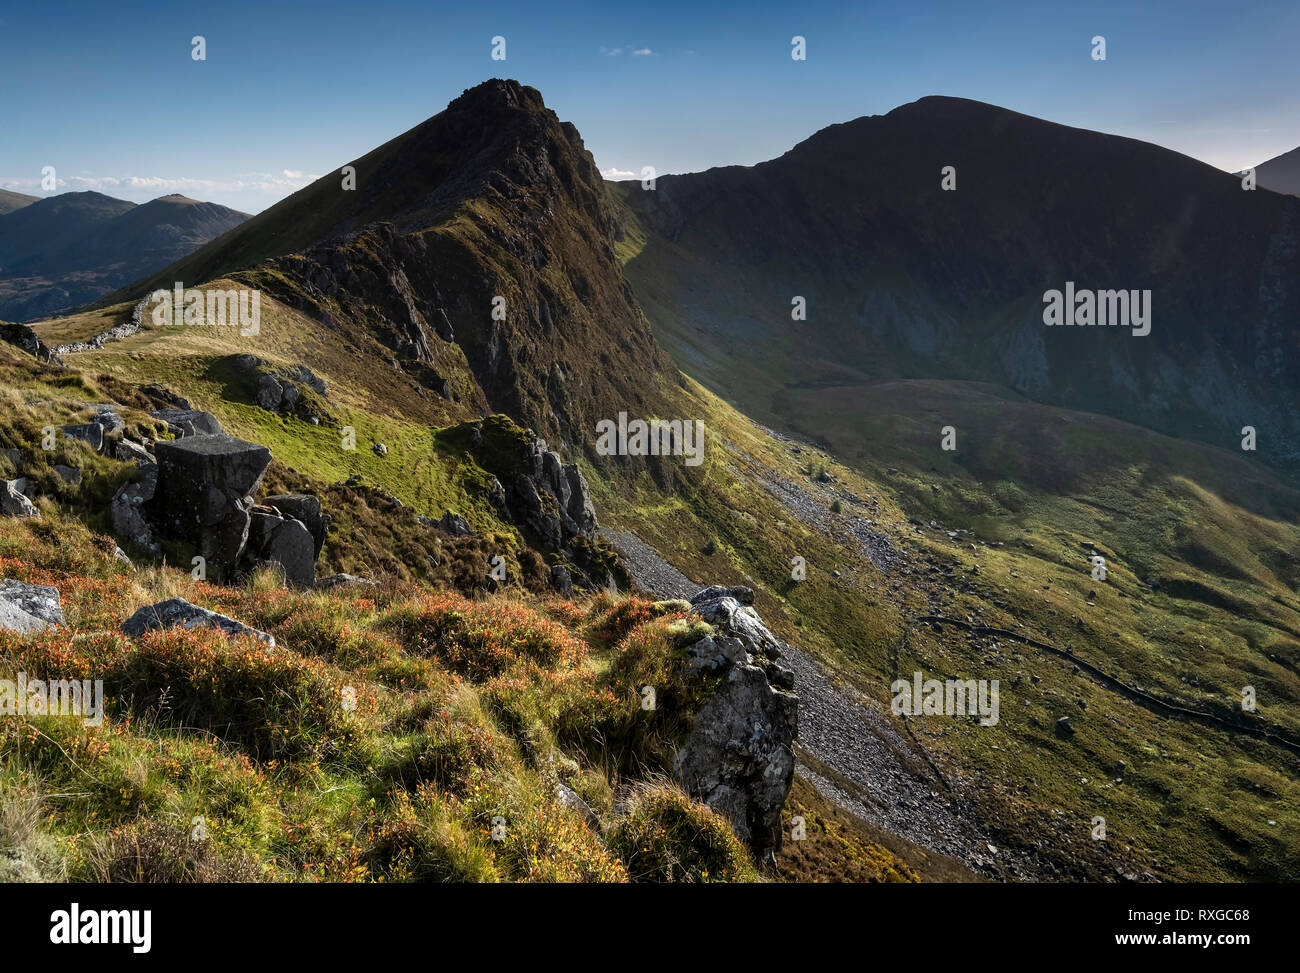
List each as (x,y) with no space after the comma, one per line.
(271,184)
(615,174)
(642,52)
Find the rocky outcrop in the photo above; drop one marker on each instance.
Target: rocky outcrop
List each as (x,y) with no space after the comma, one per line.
(25,338)
(28,608)
(14,503)
(203,497)
(189,422)
(198,492)
(738,757)
(178,612)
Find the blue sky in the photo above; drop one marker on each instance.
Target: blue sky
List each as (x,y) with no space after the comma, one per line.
(108,92)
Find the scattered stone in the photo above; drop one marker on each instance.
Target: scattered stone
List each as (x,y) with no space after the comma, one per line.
(380,449)
(1064,728)
(570,798)
(178,612)
(454,524)
(28,608)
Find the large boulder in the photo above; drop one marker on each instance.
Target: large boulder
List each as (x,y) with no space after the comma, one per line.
(14,503)
(275,539)
(739,755)
(305,508)
(203,496)
(28,608)
(178,612)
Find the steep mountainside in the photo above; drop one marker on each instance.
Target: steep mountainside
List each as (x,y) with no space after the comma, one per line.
(492,198)
(67,250)
(904,279)
(1281,174)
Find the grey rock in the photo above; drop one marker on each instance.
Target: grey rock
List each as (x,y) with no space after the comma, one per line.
(561,580)
(380,449)
(128,451)
(306,508)
(28,608)
(189,422)
(738,757)
(1064,728)
(570,798)
(728,613)
(108,420)
(14,456)
(280,540)
(454,524)
(13,503)
(204,486)
(178,612)
(126,510)
(90,433)
(69,474)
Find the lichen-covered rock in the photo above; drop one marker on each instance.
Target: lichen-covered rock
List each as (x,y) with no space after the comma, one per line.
(739,755)
(28,608)
(127,509)
(178,612)
(14,503)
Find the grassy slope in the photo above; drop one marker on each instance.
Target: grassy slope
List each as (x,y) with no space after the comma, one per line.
(1031,486)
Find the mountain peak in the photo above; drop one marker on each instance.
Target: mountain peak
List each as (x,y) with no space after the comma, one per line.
(498,94)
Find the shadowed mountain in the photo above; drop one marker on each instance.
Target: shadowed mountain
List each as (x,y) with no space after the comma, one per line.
(1281,174)
(10,201)
(481,237)
(67,250)
(905,279)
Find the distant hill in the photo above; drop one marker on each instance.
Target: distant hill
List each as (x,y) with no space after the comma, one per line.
(10,201)
(1281,174)
(63,251)
(903,279)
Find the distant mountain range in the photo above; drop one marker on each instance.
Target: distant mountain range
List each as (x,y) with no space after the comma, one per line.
(64,251)
(1281,174)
